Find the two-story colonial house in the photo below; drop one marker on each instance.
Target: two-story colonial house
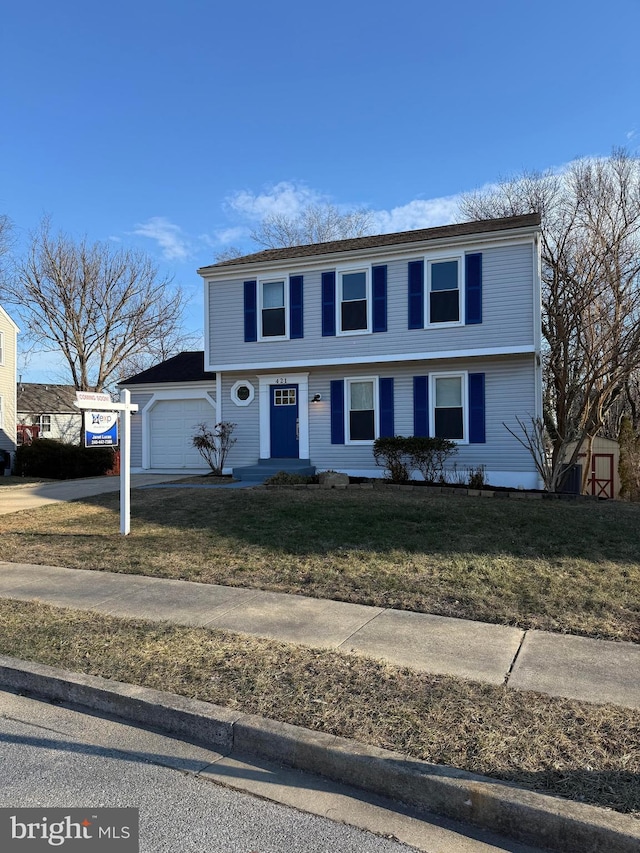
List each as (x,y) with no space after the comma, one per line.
(314,351)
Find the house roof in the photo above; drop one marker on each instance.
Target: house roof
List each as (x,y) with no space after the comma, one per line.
(424,234)
(39,398)
(184,367)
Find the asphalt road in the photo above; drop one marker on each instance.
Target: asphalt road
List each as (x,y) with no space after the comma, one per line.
(58,756)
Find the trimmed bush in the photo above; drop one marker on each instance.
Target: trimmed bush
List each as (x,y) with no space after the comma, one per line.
(400,456)
(55,460)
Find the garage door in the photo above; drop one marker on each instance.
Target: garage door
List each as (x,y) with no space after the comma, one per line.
(172,425)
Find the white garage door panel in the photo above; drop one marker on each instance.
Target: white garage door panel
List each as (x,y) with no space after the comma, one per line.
(172,424)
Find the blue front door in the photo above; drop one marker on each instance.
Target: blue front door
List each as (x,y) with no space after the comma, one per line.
(284,422)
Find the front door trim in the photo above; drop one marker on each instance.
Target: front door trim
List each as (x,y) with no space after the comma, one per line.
(264,393)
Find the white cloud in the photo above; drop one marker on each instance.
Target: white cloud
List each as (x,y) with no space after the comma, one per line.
(284,198)
(419,213)
(170,237)
(227,236)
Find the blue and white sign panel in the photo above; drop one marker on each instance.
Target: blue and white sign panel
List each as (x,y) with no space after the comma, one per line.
(101,429)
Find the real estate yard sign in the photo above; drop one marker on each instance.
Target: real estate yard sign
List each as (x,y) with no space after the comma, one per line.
(104,406)
(100,429)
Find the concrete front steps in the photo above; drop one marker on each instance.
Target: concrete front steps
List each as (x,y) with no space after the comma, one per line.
(268,467)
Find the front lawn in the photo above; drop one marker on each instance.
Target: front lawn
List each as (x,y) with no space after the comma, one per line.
(555,565)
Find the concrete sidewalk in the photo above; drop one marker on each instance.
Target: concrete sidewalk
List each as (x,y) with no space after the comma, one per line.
(598,671)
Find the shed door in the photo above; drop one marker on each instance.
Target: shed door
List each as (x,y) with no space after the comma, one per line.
(172,424)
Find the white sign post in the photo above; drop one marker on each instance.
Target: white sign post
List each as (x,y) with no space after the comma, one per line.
(97,400)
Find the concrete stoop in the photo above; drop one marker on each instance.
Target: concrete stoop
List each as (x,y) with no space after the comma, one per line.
(266,468)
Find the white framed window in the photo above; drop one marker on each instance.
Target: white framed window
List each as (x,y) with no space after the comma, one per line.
(242,392)
(273,308)
(444,286)
(449,415)
(361,410)
(354,301)
(43,422)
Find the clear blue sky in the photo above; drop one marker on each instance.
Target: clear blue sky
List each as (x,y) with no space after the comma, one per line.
(174,125)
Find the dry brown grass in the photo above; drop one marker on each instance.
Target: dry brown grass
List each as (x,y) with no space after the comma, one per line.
(589,753)
(552,565)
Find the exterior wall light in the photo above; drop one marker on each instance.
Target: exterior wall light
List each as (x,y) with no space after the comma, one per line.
(316,398)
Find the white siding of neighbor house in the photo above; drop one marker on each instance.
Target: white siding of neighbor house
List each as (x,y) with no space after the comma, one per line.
(510,392)
(64,427)
(8,385)
(508,294)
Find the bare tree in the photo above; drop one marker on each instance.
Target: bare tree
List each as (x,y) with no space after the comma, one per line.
(591,286)
(6,240)
(316,223)
(100,307)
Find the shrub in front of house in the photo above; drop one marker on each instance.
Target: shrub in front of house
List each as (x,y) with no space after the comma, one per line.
(400,456)
(286,478)
(55,460)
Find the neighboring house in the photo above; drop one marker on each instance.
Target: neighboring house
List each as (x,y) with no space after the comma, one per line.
(51,408)
(315,351)
(8,355)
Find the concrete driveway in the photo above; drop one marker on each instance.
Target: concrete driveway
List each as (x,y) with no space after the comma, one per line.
(17,498)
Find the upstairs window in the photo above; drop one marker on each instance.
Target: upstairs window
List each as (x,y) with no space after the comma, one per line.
(443,286)
(354,301)
(273,309)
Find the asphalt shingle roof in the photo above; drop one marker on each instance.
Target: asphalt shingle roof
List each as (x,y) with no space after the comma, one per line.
(46,398)
(416,236)
(184,367)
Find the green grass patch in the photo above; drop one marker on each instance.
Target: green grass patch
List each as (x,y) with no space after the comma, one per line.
(553,565)
(584,752)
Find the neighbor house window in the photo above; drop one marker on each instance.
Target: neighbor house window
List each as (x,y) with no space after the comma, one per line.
(43,422)
(353,301)
(449,406)
(361,409)
(444,288)
(273,309)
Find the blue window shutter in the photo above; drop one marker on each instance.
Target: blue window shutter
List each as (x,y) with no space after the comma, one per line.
(421,405)
(250,311)
(473,288)
(329,305)
(296,321)
(337,411)
(385,391)
(476,409)
(416,294)
(380,299)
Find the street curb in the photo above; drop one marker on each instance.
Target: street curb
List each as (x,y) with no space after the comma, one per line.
(560,825)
